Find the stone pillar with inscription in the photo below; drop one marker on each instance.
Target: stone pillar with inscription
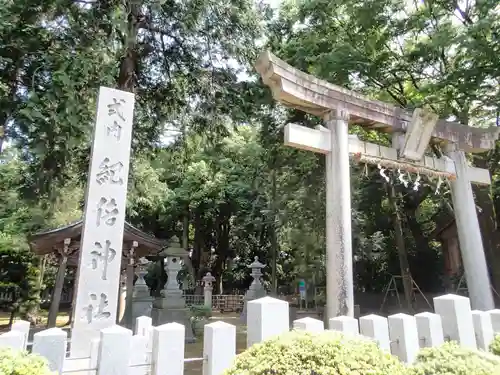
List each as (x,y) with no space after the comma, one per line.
(100,257)
(171,305)
(142,301)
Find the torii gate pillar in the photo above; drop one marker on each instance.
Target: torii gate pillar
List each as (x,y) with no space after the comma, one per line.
(339,268)
(469,235)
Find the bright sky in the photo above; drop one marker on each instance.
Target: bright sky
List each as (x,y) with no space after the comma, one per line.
(273,3)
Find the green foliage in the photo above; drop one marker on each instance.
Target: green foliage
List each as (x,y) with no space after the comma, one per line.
(201,311)
(14,362)
(304,353)
(495,345)
(19,276)
(451,359)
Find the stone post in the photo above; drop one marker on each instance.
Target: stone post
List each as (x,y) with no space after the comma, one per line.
(142,301)
(208,279)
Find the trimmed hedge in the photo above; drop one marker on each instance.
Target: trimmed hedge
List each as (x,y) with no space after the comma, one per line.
(451,359)
(495,345)
(15,362)
(325,353)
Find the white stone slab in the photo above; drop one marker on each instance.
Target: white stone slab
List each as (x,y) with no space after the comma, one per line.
(219,347)
(430,330)
(51,344)
(345,324)
(266,317)
(483,329)
(456,316)
(104,218)
(309,324)
(377,328)
(404,337)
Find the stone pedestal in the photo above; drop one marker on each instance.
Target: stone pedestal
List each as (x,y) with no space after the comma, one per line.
(171,306)
(256,289)
(142,301)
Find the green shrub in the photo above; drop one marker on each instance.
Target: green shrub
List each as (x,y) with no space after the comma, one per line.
(201,311)
(451,359)
(15,362)
(495,345)
(325,353)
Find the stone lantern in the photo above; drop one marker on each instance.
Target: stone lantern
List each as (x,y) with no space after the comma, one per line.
(142,301)
(256,289)
(208,280)
(141,289)
(171,305)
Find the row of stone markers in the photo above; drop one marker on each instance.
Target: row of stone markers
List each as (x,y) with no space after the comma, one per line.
(160,350)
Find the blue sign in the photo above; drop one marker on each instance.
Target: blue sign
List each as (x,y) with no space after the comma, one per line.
(302,286)
(302,289)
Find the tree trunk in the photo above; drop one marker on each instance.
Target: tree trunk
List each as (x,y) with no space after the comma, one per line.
(58,287)
(127,76)
(400,244)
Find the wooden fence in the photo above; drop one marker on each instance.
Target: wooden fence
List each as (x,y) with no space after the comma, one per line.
(160,350)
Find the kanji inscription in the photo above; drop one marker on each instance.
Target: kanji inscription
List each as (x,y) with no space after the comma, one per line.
(115,109)
(96,308)
(109,172)
(107,210)
(115,129)
(103,254)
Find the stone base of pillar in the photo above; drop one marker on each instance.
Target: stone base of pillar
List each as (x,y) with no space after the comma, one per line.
(178,315)
(250,295)
(171,307)
(141,307)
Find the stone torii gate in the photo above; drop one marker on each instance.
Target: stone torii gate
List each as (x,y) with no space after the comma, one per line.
(411,135)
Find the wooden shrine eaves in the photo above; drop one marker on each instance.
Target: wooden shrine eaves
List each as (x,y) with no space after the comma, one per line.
(305,92)
(44,242)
